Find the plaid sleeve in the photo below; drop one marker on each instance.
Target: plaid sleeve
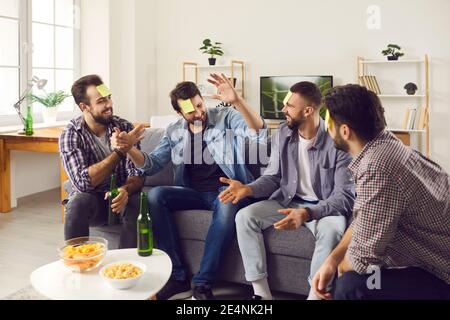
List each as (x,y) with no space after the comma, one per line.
(131,169)
(378,208)
(74,160)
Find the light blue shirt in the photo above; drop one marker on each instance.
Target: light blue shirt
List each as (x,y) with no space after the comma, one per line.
(225,135)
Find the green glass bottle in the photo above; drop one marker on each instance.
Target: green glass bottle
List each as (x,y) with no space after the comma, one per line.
(144,229)
(113,218)
(29,122)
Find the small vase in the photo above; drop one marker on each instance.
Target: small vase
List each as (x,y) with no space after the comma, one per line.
(50,114)
(212,61)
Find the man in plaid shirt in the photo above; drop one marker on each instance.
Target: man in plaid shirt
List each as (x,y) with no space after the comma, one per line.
(398,245)
(90,161)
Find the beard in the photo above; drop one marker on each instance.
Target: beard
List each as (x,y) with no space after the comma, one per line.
(198,122)
(102,119)
(340,144)
(294,124)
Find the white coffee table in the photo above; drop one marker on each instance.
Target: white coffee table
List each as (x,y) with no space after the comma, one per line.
(57,282)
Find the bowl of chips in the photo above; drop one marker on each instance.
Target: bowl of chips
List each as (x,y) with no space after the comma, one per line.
(123,275)
(83,254)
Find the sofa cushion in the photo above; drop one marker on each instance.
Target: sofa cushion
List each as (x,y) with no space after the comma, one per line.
(194,225)
(151,140)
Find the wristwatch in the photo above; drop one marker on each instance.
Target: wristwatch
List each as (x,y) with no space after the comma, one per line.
(120,154)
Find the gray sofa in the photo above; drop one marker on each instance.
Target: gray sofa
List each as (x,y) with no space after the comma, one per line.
(289,253)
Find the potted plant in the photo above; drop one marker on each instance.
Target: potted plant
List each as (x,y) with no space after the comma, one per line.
(213,49)
(392,53)
(50,101)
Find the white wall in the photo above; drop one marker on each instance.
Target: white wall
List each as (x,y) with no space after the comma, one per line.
(138,47)
(303,37)
(95,38)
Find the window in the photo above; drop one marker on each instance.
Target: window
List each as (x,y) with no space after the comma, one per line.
(9,55)
(51,27)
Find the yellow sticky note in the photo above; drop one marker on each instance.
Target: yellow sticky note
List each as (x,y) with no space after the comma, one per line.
(288,97)
(186,106)
(328,121)
(104,91)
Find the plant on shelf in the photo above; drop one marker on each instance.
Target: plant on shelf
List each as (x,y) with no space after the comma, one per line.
(50,101)
(393,52)
(213,49)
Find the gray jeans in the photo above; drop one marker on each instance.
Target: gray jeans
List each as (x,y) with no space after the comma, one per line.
(252,220)
(90,209)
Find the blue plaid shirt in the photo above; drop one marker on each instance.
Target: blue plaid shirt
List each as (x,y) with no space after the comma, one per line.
(79,150)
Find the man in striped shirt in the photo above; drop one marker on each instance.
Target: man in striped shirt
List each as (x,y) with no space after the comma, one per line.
(89,161)
(398,245)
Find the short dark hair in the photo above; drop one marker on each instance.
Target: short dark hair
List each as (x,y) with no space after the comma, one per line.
(358,108)
(80,86)
(183,91)
(308,91)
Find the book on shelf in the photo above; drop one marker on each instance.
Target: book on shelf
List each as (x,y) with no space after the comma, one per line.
(405,119)
(421,119)
(377,87)
(371,83)
(415,119)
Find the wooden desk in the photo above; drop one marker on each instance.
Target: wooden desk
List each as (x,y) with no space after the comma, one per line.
(43,140)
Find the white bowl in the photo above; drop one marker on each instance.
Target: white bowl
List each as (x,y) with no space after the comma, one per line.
(123,284)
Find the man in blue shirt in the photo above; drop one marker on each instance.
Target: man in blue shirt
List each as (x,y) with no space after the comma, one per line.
(204,145)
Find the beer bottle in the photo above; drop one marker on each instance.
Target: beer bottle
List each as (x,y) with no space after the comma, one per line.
(29,122)
(144,229)
(113,218)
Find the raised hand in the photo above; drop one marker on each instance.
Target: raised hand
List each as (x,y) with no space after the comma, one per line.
(125,141)
(235,192)
(294,220)
(225,89)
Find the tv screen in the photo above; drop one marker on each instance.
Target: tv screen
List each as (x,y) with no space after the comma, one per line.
(274,90)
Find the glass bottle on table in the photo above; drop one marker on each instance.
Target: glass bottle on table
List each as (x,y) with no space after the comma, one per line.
(144,228)
(29,122)
(113,218)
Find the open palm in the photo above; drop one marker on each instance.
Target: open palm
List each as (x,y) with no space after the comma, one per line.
(225,89)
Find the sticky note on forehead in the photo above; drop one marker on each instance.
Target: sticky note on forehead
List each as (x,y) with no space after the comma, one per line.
(288,97)
(186,106)
(328,120)
(104,91)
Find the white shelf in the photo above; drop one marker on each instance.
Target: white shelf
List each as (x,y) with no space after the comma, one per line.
(392,62)
(407,131)
(207,67)
(401,96)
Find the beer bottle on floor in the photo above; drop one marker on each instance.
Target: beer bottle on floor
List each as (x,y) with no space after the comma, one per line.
(144,229)
(113,218)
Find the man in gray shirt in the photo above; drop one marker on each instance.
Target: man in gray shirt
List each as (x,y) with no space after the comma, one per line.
(307,183)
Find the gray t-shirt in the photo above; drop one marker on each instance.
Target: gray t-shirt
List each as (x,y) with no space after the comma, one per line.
(104,147)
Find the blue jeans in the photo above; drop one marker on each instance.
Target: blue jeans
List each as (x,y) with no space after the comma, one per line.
(165,200)
(253,220)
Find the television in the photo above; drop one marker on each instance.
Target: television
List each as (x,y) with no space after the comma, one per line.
(274,89)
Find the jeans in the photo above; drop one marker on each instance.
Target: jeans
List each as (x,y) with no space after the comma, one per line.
(90,209)
(252,220)
(395,284)
(163,201)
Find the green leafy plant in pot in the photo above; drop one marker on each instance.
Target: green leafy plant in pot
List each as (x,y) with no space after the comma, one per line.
(393,52)
(213,49)
(50,101)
